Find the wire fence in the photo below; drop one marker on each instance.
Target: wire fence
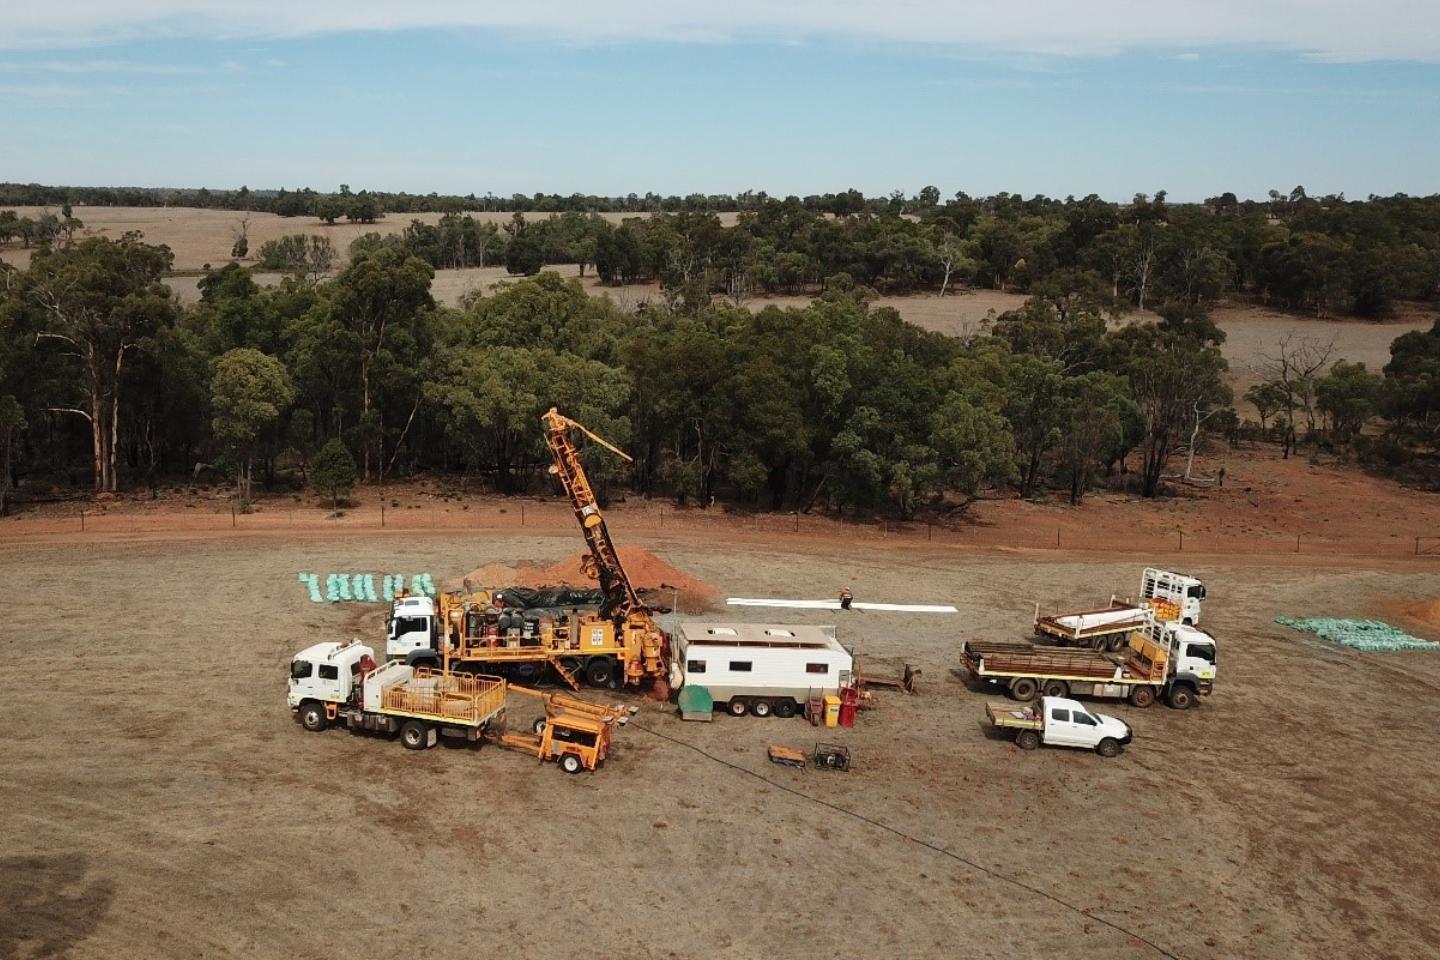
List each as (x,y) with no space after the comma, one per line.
(632,519)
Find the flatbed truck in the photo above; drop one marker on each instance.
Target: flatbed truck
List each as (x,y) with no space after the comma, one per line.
(1164,595)
(341,683)
(1165,660)
(1060,722)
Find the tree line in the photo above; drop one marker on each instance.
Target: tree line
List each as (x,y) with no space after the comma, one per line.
(840,404)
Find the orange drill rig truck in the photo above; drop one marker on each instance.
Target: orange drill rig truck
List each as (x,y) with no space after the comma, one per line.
(623,622)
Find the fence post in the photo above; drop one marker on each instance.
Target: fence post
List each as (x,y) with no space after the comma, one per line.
(929,531)
(232,516)
(1057,538)
(522,513)
(82,530)
(382,514)
(1297,543)
(1182,541)
(662,517)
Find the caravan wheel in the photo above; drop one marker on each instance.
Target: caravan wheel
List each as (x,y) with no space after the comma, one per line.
(760,708)
(737,707)
(785,709)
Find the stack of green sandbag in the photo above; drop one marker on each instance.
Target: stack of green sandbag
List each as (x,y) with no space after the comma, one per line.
(1372,636)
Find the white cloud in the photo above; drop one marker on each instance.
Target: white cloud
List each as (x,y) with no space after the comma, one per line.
(108,66)
(1187,57)
(1326,29)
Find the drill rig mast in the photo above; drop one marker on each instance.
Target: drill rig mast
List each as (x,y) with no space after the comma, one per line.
(622,610)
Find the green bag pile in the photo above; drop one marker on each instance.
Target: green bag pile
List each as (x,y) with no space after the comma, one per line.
(1372,636)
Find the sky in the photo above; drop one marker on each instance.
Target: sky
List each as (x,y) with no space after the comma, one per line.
(1057,97)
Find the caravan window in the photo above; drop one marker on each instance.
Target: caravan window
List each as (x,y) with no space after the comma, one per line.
(694,666)
(817,668)
(740,666)
(779,633)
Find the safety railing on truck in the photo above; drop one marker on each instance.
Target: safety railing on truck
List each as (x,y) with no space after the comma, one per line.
(459,698)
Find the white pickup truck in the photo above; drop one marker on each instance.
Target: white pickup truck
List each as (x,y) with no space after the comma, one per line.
(1061,722)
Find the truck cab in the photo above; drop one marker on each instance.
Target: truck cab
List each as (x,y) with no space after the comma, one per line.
(412,630)
(1192,654)
(1186,593)
(326,673)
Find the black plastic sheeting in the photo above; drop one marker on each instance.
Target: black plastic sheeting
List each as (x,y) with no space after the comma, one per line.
(559,601)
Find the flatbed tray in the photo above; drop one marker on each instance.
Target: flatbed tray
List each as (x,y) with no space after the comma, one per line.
(1017,717)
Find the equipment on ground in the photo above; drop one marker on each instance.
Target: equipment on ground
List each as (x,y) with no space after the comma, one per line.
(574,733)
(1166,659)
(1059,722)
(825,756)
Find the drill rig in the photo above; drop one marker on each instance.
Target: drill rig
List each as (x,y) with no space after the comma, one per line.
(623,620)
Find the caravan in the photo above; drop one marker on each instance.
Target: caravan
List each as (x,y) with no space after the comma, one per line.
(760,668)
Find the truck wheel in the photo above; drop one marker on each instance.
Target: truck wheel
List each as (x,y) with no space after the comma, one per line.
(1027,739)
(784,709)
(761,708)
(414,735)
(737,707)
(1117,644)
(597,672)
(1024,689)
(1056,688)
(570,763)
(1142,696)
(539,725)
(1181,698)
(312,717)
(1109,747)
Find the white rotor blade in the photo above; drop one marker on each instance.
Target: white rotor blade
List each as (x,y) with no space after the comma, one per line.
(835,605)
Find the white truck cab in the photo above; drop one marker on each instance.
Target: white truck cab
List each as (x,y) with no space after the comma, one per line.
(1187,593)
(412,627)
(1192,654)
(326,672)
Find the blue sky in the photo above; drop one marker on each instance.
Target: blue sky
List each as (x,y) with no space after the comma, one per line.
(440,98)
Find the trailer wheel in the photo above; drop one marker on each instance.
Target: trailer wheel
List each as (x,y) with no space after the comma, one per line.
(1027,739)
(571,763)
(1109,747)
(1056,688)
(762,708)
(312,717)
(1024,689)
(737,707)
(1181,697)
(785,709)
(539,725)
(414,735)
(1142,696)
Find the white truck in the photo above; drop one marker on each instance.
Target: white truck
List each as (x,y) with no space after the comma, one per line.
(1165,660)
(1059,722)
(1164,595)
(763,669)
(342,683)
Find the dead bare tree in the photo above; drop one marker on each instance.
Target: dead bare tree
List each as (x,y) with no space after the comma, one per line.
(241,232)
(1296,366)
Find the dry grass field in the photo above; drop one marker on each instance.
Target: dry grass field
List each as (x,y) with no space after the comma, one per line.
(157,799)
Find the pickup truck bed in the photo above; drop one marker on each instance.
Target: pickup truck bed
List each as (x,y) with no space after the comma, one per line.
(1017,718)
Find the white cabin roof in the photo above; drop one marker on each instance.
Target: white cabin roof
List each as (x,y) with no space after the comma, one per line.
(791,635)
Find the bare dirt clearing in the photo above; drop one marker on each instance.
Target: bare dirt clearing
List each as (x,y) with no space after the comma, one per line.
(158,800)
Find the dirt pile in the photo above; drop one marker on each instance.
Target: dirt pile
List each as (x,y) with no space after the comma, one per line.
(1424,613)
(646,572)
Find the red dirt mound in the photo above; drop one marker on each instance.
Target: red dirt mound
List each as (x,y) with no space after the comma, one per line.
(646,571)
(1426,612)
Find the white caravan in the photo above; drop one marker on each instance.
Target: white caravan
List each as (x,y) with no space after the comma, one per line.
(760,668)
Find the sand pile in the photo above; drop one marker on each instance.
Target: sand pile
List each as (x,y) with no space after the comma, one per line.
(646,572)
(1425,612)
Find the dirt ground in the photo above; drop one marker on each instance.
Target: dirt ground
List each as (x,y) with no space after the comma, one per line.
(158,800)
